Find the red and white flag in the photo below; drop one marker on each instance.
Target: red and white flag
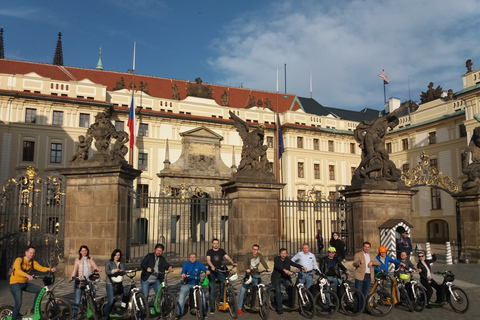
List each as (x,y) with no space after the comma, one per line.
(384,77)
(131,122)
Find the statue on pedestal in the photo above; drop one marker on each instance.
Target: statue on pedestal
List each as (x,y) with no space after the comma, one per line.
(472,170)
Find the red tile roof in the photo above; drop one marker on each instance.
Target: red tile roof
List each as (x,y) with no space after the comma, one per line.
(157,87)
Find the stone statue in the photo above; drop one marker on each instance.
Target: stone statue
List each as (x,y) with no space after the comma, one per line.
(251,102)
(102,131)
(370,135)
(119,85)
(144,87)
(119,148)
(469,65)
(268,104)
(82,149)
(431,94)
(199,90)
(225,95)
(254,162)
(175,92)
(472,170)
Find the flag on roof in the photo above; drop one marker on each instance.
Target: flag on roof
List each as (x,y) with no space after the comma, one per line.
(131,123)
(384,77)
(281,147)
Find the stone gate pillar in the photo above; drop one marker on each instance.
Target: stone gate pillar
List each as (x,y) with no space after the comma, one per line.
(96,210)
(469,202)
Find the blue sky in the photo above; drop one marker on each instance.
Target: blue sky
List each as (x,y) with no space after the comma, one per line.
(343,44)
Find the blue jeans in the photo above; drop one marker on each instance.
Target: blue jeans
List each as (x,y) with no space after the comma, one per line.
(78,295)
(334,282)
(364,285)
(111,300)
(211,277)
(184,290)
(17,291)
(278,291)
(244,289)
(146,287)
(306,279)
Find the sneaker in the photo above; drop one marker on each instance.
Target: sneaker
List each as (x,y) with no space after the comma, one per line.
(212,311)
(279,312)
(239,311)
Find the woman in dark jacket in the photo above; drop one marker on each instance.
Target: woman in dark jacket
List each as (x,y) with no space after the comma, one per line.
(339,246)
(426,278)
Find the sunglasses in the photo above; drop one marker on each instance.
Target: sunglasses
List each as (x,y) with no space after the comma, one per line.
(331,252)
(420,256)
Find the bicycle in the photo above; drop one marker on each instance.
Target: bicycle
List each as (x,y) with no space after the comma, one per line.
(134,303)
(164,304)
(300,299)
(326,300)
(229,298)
(352,300)
(90,305)
(411,293)
(257,293)
(55,308)
(196,297)
(456,297)
(380,301)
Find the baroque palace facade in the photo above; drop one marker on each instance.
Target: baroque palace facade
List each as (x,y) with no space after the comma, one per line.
(44,109)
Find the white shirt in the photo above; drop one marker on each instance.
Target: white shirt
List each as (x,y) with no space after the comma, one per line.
(367,261)
(307,260)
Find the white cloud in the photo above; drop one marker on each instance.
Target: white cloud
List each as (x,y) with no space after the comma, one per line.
(347,45)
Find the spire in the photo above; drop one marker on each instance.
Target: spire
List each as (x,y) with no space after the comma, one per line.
(233,167)
(167,158)
(58,58)
(2,52)
(99,64)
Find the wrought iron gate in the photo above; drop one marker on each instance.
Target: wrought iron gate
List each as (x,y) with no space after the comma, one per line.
(183,219)
(32,213)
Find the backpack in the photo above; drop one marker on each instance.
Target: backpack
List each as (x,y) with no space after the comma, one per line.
(11,271)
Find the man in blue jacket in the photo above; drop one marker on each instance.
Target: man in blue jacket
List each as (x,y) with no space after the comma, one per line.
(384,260)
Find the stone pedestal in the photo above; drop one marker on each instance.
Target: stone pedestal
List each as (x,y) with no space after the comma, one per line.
(469,202)
(372,207)
(253,219)
(96,210)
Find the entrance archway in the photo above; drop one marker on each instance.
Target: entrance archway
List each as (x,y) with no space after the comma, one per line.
(437,231)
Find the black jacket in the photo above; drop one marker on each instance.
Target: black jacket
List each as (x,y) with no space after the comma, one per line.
(337,265)
(339,247)
(149,262)
(420,266)
(279,266)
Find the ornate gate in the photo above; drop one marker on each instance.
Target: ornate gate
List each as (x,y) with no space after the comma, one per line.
(32,213)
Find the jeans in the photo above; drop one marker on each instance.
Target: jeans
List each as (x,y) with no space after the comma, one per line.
(78,295)
(334,282)
(244,289)
(278,291)
(111,300)
(364,285)
(146,287)
(184,290)
(211,277)
(17,291)
(306,279)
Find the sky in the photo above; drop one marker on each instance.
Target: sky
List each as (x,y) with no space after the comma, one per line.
(341,45)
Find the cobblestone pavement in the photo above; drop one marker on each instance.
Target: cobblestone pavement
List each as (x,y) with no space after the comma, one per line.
(467,278)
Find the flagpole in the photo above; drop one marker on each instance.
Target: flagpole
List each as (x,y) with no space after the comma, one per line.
(132,136)
(277,168)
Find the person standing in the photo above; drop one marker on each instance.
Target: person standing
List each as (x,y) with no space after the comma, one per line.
(404,244)
(281,275)
(152,264)
(112,280)
(308,260)
(214,260)
(426,279)
(22,266)
(363,263)
(82,268)
(339,246)
(251,262)
(319,238)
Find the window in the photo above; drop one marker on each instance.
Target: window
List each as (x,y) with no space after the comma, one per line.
(301,198)
(352,148)
(464,158)
(404,144)
(436,199)
(432,138)
(316,145)
(316,171)
(31,115)
(58,117)
(142,161)
(389,147)
(143,130)
(330,146)
(119,125)
(270,142)
(56,153)
(433,163)
(28,150)
(299,142)
(332,196)
(406,167)
(301,225)
(84,120)
(142,190)
(300,170)
(463,130)
(331,172)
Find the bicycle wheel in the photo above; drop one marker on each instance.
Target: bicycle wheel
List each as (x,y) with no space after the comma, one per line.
(380,303)
(271,300)
(232,304)
(58,309)
(198,301)
(263,304)
(141,310)
(405,299)
(458,300)
(352,303)
(167,305)
(6,311)
(419,300)
(91,305)
(325,307)
(306,303)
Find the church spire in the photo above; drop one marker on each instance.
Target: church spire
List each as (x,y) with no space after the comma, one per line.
(58,58)
(2,52)
(99,64)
